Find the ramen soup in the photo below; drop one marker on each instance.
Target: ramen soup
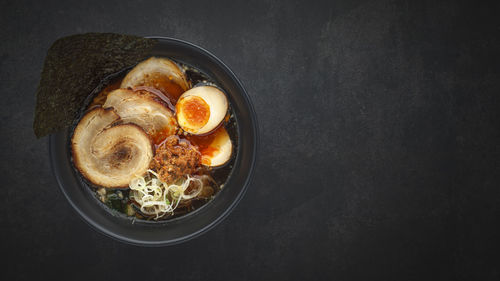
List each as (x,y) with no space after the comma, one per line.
(156,142)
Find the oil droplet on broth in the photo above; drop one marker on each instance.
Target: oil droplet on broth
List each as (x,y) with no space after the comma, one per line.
(100,99)
(166,85)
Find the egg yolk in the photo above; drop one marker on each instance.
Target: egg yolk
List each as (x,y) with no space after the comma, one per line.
(194,110)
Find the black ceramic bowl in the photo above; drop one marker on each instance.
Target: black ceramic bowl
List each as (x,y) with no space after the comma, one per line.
(192,224)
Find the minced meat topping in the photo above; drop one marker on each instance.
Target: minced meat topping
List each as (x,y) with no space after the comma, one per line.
(175,158)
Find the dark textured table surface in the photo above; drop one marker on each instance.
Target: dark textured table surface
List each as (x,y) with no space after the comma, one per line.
(380,142)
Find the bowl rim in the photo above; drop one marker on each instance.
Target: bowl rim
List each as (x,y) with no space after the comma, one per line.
(253,160)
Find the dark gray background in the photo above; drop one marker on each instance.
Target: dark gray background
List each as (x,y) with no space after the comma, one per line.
(379,157)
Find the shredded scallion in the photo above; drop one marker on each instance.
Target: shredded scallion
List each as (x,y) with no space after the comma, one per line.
(153,195)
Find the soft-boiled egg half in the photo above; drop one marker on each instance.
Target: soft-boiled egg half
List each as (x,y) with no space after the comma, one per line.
(201,109)
(215,148)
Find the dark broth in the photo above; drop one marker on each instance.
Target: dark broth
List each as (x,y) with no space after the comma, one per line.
(117,200)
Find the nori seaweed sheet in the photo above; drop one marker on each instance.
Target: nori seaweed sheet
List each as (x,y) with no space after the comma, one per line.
(74,67)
